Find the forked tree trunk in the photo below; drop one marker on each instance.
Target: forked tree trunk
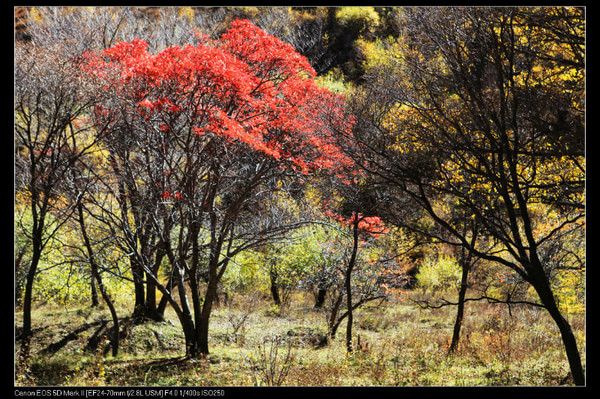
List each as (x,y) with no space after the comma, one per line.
(333,317)
(151,308)
(96,276)
(164,300)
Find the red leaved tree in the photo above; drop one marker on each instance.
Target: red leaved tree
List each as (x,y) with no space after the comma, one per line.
(199,135)
(354,210)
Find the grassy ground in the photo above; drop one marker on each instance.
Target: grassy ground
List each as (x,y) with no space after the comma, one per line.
(400,344)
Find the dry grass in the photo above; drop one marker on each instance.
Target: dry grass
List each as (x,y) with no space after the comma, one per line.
(400,345)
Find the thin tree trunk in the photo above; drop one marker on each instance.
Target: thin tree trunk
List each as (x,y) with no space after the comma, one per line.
(164,299)
(465,264)
(461,307)
(333,326)
(181,310)
(19,283)
(162,306)
(186,317)
(113,314)
(96,276)
(348,284)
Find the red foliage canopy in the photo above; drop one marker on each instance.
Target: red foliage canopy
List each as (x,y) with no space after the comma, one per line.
(246,87)
(372,225)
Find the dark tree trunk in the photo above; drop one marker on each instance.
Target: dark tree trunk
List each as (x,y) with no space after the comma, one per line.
(197,306)
(570,344)
(97,277)
(150,296)
(274,287)
(461,307)
(189,332)
(35,259)
(181,309)
(333,325)
(164,300)
(348,284)
(186,315)
(19,281)
(320,299)
(113,314)
(151,309)
(211,292)
(94,292)
(138,283)
(162,306)
(540,283)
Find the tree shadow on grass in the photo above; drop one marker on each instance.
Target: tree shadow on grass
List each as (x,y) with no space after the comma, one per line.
(168,362)
(73,335)
(19,332)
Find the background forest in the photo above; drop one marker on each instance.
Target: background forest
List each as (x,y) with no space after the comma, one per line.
(299,196)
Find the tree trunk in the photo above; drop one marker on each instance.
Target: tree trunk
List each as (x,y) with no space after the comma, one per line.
(94,292)
(19,281)
(160,309)
(97,277)
(187,321)
(461,307)
(348,284)
(138,283)
(35,259)
(542,287)
(113,314)
(150,295)
(333,325)
(151,309)
(570,345)
(320,299)
(197,306)
(211,292)
(274,287)
(189,332)
(164,300)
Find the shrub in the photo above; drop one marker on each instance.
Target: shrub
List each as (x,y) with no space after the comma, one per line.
(272,361)
(439,274)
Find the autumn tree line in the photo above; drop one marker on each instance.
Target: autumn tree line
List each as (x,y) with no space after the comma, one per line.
(168,143)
